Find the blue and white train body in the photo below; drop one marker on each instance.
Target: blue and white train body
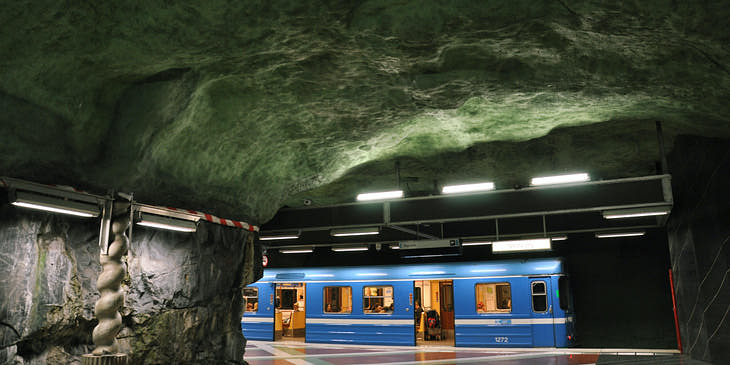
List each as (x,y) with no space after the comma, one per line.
(536,308)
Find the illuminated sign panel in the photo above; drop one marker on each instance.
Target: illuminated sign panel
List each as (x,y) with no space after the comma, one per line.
(540,244)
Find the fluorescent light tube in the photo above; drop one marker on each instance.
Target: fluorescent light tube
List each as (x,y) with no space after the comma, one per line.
(395,194)
(559,179)
(559,238)
(156,221)
(480,243)
(539,244)
(349,249)
(306,250)
(620,234)
(636,212)
(453,189)
(52,209)
(355,231)
(56,205)
(281,237)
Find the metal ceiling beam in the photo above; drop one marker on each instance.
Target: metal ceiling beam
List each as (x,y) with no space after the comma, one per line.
(569,199)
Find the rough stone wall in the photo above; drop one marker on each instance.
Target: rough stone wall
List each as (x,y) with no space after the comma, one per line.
(183,302)
(698,242)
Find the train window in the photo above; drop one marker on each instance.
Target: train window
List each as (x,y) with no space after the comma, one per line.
(493,297)
(564,293)
(377,300)
(286,297)
(251,299)
(539,296)
(337,299)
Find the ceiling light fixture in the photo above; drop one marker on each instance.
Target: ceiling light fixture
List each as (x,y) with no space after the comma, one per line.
(52,204)
(383,195)
(306,250)
(636,212)
(466,188)
(282,236)
(476,243)
(363,231)
(172,224)
(559,179)
(620,234)
(559,238)
(538,244)
(349,249)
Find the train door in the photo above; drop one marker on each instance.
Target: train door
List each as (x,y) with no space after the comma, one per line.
(543,330)
(446,293)
(435,319)
(258,305)
(290,316)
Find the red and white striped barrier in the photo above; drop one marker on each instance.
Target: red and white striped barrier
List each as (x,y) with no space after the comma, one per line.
(214,219)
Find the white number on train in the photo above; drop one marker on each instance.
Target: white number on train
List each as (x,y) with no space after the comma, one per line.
(501,339)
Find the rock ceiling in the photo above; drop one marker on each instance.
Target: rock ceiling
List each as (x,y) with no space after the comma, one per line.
(241,107)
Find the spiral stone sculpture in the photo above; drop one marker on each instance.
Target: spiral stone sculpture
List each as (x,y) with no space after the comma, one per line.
(112,298)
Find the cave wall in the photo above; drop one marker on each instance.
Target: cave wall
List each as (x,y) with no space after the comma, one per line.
(698,242)
(183,302)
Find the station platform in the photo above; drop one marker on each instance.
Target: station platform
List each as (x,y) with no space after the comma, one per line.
(299,353)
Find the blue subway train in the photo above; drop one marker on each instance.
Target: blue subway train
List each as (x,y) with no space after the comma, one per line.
(516,303)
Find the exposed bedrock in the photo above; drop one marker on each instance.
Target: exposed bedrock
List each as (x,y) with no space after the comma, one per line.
(183,302)
(236,107)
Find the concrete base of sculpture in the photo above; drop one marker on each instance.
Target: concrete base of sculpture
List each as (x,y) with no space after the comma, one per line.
(116,359)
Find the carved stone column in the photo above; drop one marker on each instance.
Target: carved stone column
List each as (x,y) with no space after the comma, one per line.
(112,298)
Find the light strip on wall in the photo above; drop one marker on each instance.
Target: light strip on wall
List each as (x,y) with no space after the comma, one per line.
(466,188)
(538,244)
(355,231)
(395,194)
(156,221)
(559,179)
(636,212)
(349,249)
(620,234)
(307,250)
(56,205)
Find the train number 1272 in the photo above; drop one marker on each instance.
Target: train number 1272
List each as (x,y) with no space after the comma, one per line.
(501,339)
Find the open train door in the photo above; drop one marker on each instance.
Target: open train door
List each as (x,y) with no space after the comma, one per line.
(257,322)
(543,326)
(446,288)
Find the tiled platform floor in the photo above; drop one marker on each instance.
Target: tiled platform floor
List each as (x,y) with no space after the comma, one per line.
(298,353)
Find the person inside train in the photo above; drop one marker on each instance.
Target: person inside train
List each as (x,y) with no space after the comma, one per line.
(480,307)
(300,303)
(417,312)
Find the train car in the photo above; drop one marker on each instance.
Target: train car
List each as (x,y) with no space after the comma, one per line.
(516,303)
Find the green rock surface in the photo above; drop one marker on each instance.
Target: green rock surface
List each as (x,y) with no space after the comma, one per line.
(239,108)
